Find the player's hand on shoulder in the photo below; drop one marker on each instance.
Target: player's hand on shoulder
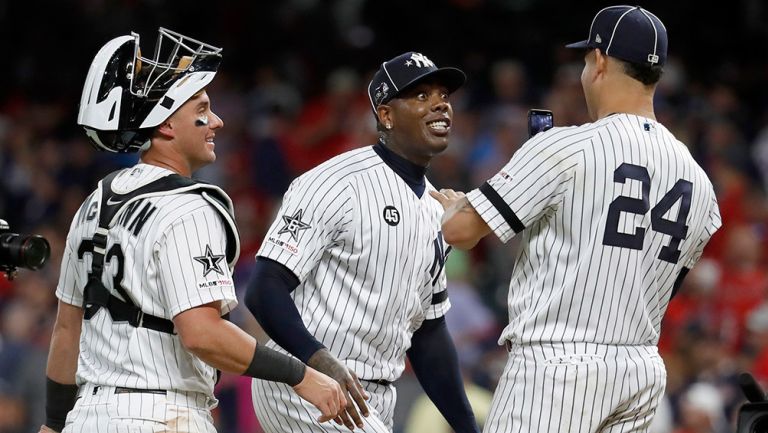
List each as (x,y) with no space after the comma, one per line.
(462,226)
(45,429)
(451,194)
(323,392)
(446,196)
(325,362)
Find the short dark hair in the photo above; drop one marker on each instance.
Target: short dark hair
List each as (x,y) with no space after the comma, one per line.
(647,74)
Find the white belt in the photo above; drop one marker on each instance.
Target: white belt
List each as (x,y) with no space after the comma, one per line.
(92,394)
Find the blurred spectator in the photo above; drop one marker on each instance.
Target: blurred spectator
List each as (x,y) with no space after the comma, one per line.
(702,410)
(566,97)
(22,382)
(743,287)
(507,130)
(760,155)
(726,158)
(694,305)
(324,128)
(757,343)
(471,324)
(663,422)
(424,416)
(510,84)
(272,106)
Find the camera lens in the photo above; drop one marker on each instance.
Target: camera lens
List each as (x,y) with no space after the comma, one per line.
(24,251)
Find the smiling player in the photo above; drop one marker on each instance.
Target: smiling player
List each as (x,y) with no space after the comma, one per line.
(350,276)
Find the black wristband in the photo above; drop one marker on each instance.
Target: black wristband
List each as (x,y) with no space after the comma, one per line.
(271,365)
(59,400)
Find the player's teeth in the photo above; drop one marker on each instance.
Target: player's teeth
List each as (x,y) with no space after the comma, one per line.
(441,125)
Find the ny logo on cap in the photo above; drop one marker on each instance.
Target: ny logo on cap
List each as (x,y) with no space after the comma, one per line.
(421,61)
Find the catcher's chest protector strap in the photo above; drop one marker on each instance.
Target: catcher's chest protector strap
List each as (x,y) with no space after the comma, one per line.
(95,293)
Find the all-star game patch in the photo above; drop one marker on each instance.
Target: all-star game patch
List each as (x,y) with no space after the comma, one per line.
(210,262)
(294,224)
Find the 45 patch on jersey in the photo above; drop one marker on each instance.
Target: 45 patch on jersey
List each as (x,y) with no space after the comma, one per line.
(391,215)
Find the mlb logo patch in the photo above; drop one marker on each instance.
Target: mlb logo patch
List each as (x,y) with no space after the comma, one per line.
(382,91)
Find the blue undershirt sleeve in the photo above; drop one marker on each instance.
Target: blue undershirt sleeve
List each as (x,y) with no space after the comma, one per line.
(268,297)
(433,358)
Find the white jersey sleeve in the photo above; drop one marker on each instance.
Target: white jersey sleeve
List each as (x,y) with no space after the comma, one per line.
(529,186)
(192,265)
(71,280)
(712,225)
(313,217)
(72,277)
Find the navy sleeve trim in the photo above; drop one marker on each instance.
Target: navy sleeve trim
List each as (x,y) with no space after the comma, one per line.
(439,297)
(679,281)
(501,206)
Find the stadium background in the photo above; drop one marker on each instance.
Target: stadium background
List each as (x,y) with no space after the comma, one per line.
(291,93)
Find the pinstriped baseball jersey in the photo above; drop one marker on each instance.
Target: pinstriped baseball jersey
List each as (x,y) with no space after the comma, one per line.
(577,387)
(369,254)
(610,213)
(100,410)
(280,409)
(169,255)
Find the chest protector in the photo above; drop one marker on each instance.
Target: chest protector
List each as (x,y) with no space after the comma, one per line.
(123,308)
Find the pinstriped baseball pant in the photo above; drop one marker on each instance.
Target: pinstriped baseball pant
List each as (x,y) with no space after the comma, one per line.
(280,409)
(577,388)
(101,410)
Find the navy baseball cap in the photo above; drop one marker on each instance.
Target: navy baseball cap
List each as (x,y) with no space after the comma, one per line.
(629,33)
(396,75)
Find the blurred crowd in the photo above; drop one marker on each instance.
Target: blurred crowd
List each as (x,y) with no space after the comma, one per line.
(277,127)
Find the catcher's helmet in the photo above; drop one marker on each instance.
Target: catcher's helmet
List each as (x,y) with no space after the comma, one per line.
(125,95)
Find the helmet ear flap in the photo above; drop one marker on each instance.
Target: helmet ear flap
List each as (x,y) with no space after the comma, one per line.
(134,140)
(119,141)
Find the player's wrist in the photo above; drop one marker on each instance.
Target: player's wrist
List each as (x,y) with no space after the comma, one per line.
(310,375)
(59,400)
(324,361)
(271,365)
(318,356)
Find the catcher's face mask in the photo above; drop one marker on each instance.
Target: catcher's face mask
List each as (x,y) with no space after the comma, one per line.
(126,94)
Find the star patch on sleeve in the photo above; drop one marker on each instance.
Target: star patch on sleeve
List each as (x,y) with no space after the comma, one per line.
(210,262)
(294,224)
